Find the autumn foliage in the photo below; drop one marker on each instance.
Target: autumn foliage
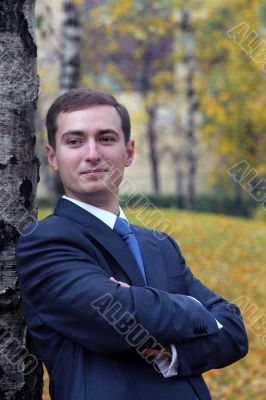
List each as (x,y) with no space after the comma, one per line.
(228,255)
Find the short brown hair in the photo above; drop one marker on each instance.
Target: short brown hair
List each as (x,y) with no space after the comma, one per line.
(80,99)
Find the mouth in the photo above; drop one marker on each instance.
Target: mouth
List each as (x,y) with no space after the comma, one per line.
(94,172)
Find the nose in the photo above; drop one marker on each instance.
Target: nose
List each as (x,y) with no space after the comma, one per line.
(92,152)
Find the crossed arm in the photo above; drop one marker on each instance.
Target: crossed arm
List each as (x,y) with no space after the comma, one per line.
(61,282)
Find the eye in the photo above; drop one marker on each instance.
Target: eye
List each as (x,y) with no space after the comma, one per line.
(73,141)
(107,139)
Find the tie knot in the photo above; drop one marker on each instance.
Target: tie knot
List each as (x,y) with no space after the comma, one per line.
(122,227)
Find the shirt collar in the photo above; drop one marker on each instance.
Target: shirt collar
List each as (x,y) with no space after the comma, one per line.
(105,216)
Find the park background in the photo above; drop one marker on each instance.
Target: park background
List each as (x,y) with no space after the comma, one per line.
(192,75)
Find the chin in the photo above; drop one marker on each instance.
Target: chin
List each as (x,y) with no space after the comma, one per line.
(96,190)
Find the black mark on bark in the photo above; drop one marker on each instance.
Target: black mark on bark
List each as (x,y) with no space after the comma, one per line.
(8,234)
(13,160)
(35,160)
(12,19)
(25,190)
(25,35)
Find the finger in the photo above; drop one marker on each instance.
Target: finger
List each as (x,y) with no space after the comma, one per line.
(150,352)
(123,284)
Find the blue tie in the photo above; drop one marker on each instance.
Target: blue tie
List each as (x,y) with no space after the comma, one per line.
(123,228)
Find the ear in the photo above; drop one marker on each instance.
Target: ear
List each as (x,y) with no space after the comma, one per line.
(130,151)
(51,156)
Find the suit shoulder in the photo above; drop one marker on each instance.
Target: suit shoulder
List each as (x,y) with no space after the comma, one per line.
(149,232)
(52,226)
(161,238)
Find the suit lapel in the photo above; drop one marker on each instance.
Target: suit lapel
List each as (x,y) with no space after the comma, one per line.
(105,236)
(152,259)
(116,246)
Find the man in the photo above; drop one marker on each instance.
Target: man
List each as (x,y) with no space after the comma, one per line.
(114,311)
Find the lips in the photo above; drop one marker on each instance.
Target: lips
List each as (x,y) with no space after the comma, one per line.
(94,173)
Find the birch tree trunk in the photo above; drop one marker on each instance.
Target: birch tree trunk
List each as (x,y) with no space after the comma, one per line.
(151,110)
(192,104)
(71,46)
(69,74)
(20,369)
(152,141)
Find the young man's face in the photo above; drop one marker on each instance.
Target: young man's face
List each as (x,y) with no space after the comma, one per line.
(91,153)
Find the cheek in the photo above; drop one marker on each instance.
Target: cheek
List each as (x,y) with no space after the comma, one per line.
(70,160)
(118,159)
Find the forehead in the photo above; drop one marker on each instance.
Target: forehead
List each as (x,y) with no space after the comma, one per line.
(91,118)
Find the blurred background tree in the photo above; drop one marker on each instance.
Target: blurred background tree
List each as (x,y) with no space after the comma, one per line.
(69,71)
(130,49)
(231,89)
(196,98)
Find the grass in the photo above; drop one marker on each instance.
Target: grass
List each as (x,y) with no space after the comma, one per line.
(228,255)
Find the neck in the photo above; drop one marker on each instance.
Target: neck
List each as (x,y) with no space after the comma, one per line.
(110,204)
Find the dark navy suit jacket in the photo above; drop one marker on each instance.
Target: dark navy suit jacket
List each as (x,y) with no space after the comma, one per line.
(81,322)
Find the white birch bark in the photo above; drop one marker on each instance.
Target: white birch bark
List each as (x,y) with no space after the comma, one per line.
(70,56)
(20,370)
(191,102)
(70,71)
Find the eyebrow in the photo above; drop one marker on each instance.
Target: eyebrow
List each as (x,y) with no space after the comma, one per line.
(81,133)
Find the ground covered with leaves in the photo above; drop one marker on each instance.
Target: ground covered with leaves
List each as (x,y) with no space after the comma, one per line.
(228,255)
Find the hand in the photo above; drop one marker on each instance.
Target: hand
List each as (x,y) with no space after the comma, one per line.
(166,352)
(123,284)
(150,352)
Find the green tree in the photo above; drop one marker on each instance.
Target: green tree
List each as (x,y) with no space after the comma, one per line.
(231,50)
(133,50)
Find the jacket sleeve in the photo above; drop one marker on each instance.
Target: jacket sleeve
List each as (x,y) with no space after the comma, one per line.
(68,291)
(199,355)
